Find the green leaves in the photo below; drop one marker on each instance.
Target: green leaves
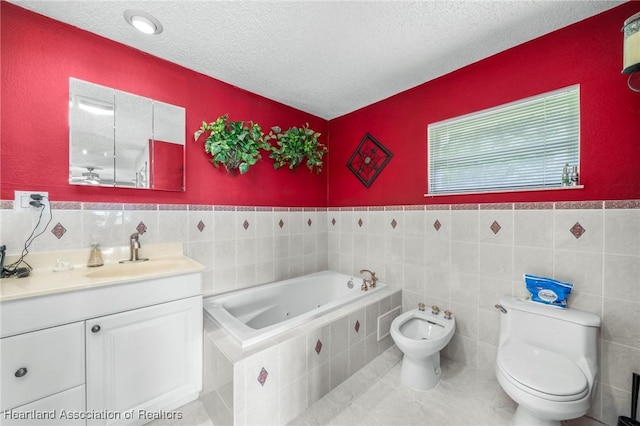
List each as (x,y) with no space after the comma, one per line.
(237,145)
(232,143)
(293,145)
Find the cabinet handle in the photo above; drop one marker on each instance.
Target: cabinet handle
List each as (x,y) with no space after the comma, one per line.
(95,328)
(21,372)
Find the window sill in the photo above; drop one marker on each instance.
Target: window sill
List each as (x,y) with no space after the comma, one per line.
(504,191)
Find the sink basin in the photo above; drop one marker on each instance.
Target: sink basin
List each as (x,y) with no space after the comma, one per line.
(132,269)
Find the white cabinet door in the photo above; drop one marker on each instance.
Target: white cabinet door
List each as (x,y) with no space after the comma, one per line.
(38,364)
(146,360)
(62,409)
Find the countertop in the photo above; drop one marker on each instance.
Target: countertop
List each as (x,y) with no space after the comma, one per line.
(165,260)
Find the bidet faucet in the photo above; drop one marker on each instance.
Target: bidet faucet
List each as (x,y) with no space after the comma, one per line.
(371,282)
(134,246)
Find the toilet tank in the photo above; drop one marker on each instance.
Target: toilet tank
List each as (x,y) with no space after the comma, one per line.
(570,332)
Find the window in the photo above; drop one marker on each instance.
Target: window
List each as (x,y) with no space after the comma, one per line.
(517,146)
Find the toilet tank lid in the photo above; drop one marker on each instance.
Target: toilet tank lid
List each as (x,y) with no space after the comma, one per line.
(569,314)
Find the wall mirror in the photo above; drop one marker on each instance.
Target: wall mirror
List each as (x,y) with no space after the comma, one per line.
(124,140)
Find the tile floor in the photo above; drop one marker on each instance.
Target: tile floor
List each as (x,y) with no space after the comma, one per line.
(465,396)
(375,396)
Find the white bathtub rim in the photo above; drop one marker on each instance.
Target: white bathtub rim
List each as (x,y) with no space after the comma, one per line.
(246,337)
(235,353)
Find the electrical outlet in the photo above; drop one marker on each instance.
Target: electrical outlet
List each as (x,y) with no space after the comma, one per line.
(22,199)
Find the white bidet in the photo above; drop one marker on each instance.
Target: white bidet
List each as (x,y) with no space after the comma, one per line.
(421,336)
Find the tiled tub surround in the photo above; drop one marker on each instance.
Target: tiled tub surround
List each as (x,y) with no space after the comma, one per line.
(464,257)
(262,312)
(273,382)
(239,246)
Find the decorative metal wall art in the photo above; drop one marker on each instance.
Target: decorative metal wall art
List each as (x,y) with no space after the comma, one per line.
(368,160)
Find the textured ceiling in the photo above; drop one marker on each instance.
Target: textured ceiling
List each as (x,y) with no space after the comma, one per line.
(327,58)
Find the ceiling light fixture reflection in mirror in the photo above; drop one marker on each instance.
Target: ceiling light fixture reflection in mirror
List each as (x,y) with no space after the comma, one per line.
(124,140)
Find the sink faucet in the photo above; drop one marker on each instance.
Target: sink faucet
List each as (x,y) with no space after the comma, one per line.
(134,245)
(368,283)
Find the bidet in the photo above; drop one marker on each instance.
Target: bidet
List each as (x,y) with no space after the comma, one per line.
(421,335)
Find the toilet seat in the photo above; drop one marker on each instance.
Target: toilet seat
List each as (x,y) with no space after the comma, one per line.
(545,374)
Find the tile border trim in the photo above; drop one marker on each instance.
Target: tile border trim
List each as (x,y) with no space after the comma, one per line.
(560,205)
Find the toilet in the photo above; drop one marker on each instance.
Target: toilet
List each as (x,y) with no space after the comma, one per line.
(421,335)
(547,360)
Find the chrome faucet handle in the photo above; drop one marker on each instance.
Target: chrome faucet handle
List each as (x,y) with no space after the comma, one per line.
(435,309)
(421,306)
(364,286)
(447,315)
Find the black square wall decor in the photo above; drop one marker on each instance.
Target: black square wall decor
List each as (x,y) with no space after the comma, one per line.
(368,160)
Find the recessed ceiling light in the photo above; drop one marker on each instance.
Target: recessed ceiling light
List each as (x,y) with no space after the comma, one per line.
(142,21)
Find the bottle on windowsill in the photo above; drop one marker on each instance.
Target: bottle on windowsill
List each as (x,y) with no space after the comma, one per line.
(574,176)
(565,175)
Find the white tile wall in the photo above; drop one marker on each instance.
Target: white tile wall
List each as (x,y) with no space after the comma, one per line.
(465,266)
(239,246)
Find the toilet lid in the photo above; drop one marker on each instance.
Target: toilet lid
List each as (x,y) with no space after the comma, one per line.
(543,371)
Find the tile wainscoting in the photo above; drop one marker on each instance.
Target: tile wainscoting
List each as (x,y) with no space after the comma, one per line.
(239,246)
(462,257)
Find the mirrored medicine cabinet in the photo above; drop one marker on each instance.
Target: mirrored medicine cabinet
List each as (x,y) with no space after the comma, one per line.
(119,139)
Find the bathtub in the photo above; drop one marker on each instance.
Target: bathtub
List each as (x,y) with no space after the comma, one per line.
(259,313)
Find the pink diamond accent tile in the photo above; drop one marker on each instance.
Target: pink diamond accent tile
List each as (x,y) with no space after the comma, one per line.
(309,222)
(201,226)
(141,228)
(357,327)
(281,223)
(495,227)
(58,230)
(437,225)
(360,222)
(577,230)
(394,224)
(262,378)
(333,221)
(245,225)
(318,347)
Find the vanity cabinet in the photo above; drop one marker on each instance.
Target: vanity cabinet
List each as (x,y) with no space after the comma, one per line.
(144,360)
(116,354)
(43,371)
(56,410)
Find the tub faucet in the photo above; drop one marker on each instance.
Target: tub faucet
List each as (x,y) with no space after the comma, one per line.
(134,246)
(368,283)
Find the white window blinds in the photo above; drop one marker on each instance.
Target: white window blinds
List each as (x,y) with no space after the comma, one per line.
(520,145)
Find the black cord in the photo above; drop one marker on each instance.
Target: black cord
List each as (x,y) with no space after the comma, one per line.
(11,269)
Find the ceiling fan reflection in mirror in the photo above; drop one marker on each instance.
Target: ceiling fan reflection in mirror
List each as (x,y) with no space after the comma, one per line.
(89,177)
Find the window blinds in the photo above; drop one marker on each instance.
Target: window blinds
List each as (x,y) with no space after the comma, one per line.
(520,145)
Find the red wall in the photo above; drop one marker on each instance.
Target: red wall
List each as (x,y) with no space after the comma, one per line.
(588,53)
(39,55)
